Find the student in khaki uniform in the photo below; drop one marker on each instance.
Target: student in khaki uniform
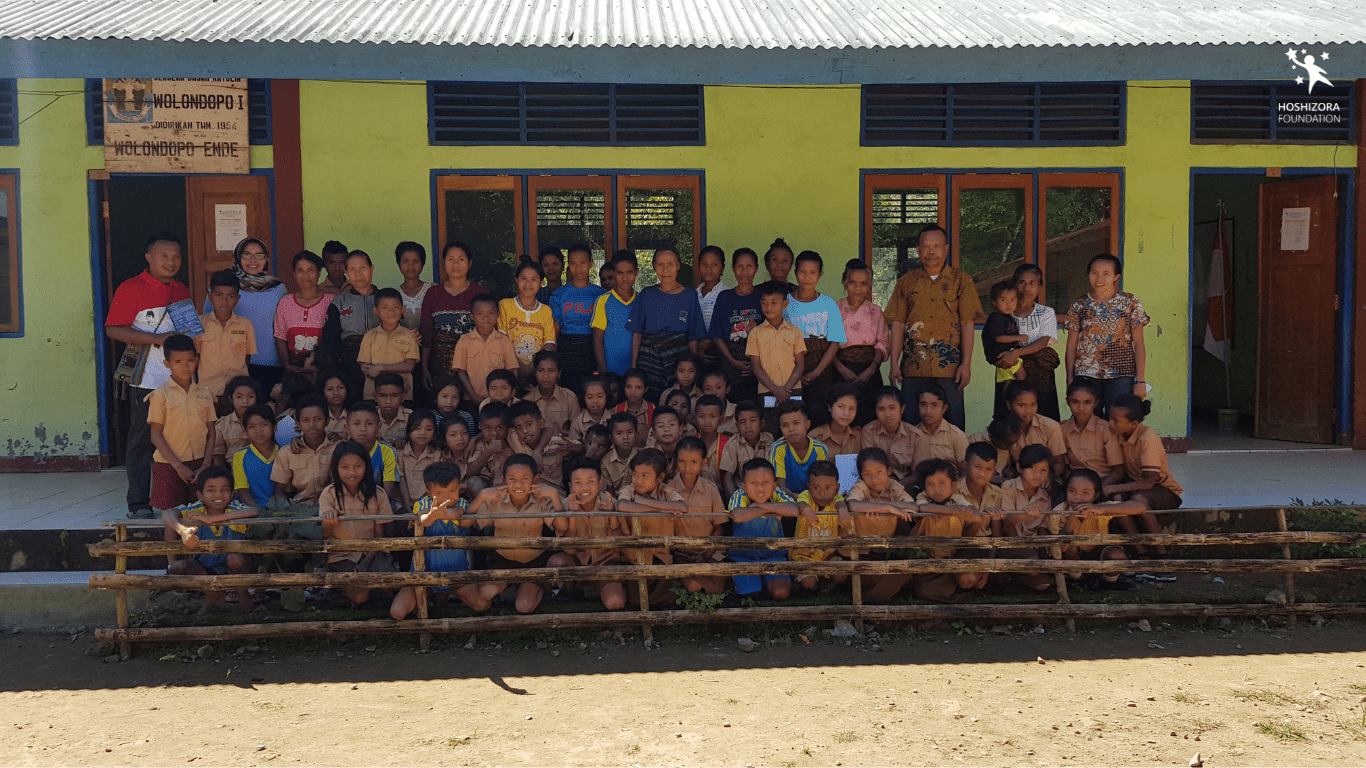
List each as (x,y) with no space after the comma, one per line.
(353,492)
(1028,493)
(228,340)
(879,505)
(393,417)
(487,453)
(241,392)
(419,450)
(706,511)
(709,410)
(953,515)
(485,350)
(531,436)
(1090,443)
(558,405)
(390,348)
(181,416)
(935,437)
(976,485)
(714,383)
(596,410)
(304,468)
(1084,494)
(893,436)
(840,435)
(776,348)
(522,495)
(616,464)
(647,491)
(750,442)
(588,494)
(1147,478)
(1023,401)
(1001,433)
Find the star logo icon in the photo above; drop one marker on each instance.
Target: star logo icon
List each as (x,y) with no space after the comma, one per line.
(1290,54)
(1299,81)
(1324,57)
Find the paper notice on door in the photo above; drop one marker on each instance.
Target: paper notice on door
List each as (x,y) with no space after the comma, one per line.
(230,226)
(1295,229)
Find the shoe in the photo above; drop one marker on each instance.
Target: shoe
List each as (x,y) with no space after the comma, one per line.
(1118,585)
(141,513)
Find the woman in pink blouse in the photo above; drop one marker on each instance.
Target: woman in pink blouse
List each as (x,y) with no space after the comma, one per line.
(860,359)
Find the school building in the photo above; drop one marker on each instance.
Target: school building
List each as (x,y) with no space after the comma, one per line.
(1041,133)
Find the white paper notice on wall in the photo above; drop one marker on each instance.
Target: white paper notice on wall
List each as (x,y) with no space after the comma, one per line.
(230,225)
(1295,229)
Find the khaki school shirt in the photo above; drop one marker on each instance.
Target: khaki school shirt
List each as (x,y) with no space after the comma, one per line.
(1002,454)
(549,459)
(616,469)
(223,350)
(386,348)
(933,311)
(876,525)
(650,526)
(900,446)
(853,443)
(737,451)
(944,525)
(1093,447)
(560,408)
(776,349)
(946,442)
(351,504)
(1042,431)
(231,436)
(184,416)
(990,498)
(395,430)
(478,357)
(581,422)
(307,471)
(1143,452)
(704,499)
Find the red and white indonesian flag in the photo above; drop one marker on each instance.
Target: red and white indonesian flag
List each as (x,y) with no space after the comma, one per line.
(1216,300)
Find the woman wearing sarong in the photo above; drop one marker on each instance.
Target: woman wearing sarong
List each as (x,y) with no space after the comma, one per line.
(860,359)
(737,310)
(666,323)
(1040,323)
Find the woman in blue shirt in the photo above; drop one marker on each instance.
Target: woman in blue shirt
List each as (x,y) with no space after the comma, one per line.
(666,323)
(572,307)
(819,319)
(260,292)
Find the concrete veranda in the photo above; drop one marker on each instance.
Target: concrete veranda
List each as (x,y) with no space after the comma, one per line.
(83,500)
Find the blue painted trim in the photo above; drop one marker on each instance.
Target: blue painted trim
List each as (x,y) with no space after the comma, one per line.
(18,254)
(436,231)
(1346,271)
(12,86)
(269,138)
(103,376)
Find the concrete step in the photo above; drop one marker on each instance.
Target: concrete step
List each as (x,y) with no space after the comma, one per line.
(60,600)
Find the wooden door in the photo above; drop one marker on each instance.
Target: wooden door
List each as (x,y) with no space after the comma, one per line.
(1297,305)
(210,204)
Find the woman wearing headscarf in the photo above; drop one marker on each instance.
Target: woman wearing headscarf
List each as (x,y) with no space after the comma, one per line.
(260,292)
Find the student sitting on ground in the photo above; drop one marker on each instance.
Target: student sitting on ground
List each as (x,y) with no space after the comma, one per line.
(253,465)
(354,493)
(441,512)
(682,405)
(750,442)
(1093,517)
(951,515)
(530,436)
(714,383)
(686,371)
(879,504)
(502,388)
(757,509)
(1090,443)
(522,495)
(490,450)
(209,519)
(1147,478)
(708,414)
(648,492)
(664,436)
(706,512)
(616,465)
(588,494)
(840,435)
(823,515)
(977,485)
(1028,493)
(1000,434)
(596,442)
(332,386)
(229,436)
(393,417)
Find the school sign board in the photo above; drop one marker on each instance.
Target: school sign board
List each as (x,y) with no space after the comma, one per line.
(176,126)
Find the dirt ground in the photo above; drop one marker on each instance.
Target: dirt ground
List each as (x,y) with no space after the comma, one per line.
(1240,694)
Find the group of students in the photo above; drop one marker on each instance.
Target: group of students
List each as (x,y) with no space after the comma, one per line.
(595,398)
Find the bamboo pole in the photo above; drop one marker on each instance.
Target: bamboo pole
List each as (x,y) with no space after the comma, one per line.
(645,628)
(247,546)
(680,617)
(678,571)
(1289,577)
(856,587)
(1061,579)
(424,640)
(121,599)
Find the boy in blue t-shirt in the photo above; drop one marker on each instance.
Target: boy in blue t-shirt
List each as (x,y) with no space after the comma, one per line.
(204,520)
(439,513)
(572,306)
(251,466)
(611,341)
(795,452)
(760,519)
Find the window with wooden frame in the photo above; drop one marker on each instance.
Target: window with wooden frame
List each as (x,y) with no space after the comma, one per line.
(485,213)
(11,304)
(504,216)
(996,222)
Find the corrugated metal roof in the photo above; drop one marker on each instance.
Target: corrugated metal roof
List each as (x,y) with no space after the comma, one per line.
(799,24)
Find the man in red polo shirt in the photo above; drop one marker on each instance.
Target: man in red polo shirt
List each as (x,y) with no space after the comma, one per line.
(137,315)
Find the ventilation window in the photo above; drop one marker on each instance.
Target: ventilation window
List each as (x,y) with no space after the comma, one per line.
(564,114)
(1261,113)
(994,114)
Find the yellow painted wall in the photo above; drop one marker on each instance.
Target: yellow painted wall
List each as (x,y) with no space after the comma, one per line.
(778,162)
(784,162)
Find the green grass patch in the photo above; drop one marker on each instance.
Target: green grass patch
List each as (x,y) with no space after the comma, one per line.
(1282,731)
